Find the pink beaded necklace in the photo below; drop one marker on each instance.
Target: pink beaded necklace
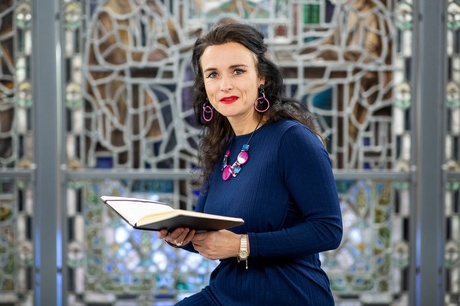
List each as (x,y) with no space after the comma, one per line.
(242,158)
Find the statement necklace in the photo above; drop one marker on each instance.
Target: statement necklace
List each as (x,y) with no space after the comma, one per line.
(242,158)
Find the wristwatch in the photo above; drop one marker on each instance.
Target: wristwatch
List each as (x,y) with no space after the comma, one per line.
(243,254)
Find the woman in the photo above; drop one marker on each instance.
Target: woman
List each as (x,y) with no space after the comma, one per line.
(285,191)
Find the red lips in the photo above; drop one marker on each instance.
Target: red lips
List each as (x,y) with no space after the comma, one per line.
(228,100)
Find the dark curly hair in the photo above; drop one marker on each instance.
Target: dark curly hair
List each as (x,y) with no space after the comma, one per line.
(218,132)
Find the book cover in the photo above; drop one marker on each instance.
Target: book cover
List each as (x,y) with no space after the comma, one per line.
(154,215)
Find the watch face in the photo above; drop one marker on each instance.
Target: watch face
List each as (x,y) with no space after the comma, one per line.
(243,254)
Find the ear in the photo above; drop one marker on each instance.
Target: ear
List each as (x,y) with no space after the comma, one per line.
(261,81)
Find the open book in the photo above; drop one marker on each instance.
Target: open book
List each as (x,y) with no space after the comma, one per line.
(154,215)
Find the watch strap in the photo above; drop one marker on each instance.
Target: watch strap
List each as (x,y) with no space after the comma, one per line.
(243,253)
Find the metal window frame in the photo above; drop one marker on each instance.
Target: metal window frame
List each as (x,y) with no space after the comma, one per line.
(429,78)
(46,134)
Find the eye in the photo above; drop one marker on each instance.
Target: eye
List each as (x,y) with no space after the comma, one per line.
(211,75)
(239,71)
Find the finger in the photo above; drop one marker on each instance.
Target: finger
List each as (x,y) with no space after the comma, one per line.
(162,234)
(183,236)
(170,238)
(189,236)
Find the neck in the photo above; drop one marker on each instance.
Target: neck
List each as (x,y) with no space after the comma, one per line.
(243,128)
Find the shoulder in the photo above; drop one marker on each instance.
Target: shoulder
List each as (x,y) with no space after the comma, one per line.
(283,124)
(290,128)
(288,134)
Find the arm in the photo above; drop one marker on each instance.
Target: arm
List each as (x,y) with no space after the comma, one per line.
(309,180)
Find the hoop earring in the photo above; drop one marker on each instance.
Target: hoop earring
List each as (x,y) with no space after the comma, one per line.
(207,114)
(261,100)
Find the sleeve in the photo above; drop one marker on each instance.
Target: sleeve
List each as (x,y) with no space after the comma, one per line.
(199,206)
(307,173)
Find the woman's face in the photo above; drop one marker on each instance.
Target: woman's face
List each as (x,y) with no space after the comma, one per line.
(231,80)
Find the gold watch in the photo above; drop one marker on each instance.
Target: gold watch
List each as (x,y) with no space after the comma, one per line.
(243,254)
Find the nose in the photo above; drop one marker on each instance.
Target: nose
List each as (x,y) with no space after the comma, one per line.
(225,84)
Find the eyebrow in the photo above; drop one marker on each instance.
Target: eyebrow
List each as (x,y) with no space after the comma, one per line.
(231,67)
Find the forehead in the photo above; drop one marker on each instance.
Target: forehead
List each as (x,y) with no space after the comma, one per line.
(228,54)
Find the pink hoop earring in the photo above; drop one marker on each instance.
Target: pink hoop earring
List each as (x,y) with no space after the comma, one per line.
(207,112)
(261,100)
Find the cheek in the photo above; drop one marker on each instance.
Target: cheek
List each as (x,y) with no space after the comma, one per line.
(207,90)
(252,95)
(208,86)
(209,94)
(211,97)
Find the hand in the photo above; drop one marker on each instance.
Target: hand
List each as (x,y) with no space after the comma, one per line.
(179,237)
(217,244)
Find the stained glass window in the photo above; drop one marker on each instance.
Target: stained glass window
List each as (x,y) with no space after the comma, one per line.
(129,129)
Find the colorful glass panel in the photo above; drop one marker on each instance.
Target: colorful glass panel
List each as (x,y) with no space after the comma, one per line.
(127,88)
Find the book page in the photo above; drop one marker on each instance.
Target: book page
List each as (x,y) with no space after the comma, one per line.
(132,209)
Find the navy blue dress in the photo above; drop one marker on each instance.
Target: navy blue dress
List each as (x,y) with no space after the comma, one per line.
(287,196)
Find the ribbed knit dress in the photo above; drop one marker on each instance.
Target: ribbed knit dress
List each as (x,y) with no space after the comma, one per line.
(287,196)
